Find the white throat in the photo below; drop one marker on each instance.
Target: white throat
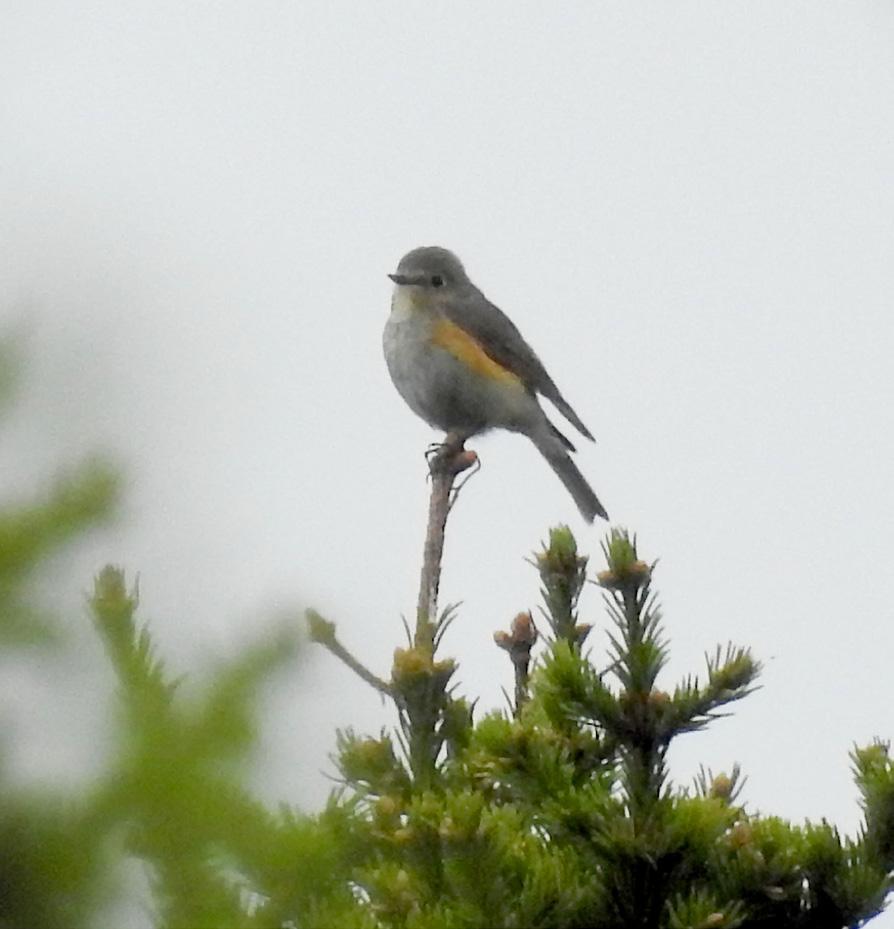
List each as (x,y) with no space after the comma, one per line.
(404,301)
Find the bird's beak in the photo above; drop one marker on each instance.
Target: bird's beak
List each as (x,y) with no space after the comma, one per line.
(407,278)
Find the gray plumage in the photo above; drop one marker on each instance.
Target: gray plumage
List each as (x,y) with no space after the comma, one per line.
(465,305)
(432,286)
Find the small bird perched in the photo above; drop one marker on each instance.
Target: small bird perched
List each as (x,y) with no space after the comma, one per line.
(460,364)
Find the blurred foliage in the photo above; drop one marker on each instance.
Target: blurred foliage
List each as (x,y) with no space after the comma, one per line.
(30,532)
(172,794)
(557,813)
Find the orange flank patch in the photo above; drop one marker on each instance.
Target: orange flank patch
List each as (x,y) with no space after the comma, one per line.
(461,345)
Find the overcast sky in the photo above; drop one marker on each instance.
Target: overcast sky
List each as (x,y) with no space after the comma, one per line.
(688,210)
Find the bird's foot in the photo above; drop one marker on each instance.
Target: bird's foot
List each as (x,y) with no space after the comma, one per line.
(450,456)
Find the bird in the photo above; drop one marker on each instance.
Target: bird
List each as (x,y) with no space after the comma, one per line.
(462,365)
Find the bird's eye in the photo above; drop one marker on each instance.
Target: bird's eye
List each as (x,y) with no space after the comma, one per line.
(437,281)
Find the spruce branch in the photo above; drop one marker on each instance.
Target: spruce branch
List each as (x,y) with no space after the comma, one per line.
(174,784)
(370,764)
(874,774)
(724,787)
(420,688)
(563,573)
(145,690)
(639,646)
(84,498)
(568,687)
(731,677)
(30,532)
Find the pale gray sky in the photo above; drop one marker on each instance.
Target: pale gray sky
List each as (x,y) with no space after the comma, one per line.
(687,208)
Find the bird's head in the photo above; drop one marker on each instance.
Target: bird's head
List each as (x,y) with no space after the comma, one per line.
(432,269)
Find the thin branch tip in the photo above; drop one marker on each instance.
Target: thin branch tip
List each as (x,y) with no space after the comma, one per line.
(445,461)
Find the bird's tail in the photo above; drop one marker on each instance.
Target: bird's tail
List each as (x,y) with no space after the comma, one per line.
(560,461)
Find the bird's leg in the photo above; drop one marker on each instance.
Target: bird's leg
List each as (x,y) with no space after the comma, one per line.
(442,455)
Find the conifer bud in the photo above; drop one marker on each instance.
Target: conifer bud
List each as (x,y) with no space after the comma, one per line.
(413,669)
(320,630)
(625,569)
(411,662)
(386,806)
(503,639)
(562,550)
(721,787)
(522,629)
(113,606)
(110,586)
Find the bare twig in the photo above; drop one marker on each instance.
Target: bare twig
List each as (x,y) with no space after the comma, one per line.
(449,460)
(445,462)
(518,642)
(360,670)
(323,632)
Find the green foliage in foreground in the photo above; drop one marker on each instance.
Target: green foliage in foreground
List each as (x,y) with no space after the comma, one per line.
(559,813)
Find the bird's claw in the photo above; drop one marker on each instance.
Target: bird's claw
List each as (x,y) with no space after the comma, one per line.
(441,455)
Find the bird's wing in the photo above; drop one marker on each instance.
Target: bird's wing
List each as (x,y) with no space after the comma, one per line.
(499,337)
